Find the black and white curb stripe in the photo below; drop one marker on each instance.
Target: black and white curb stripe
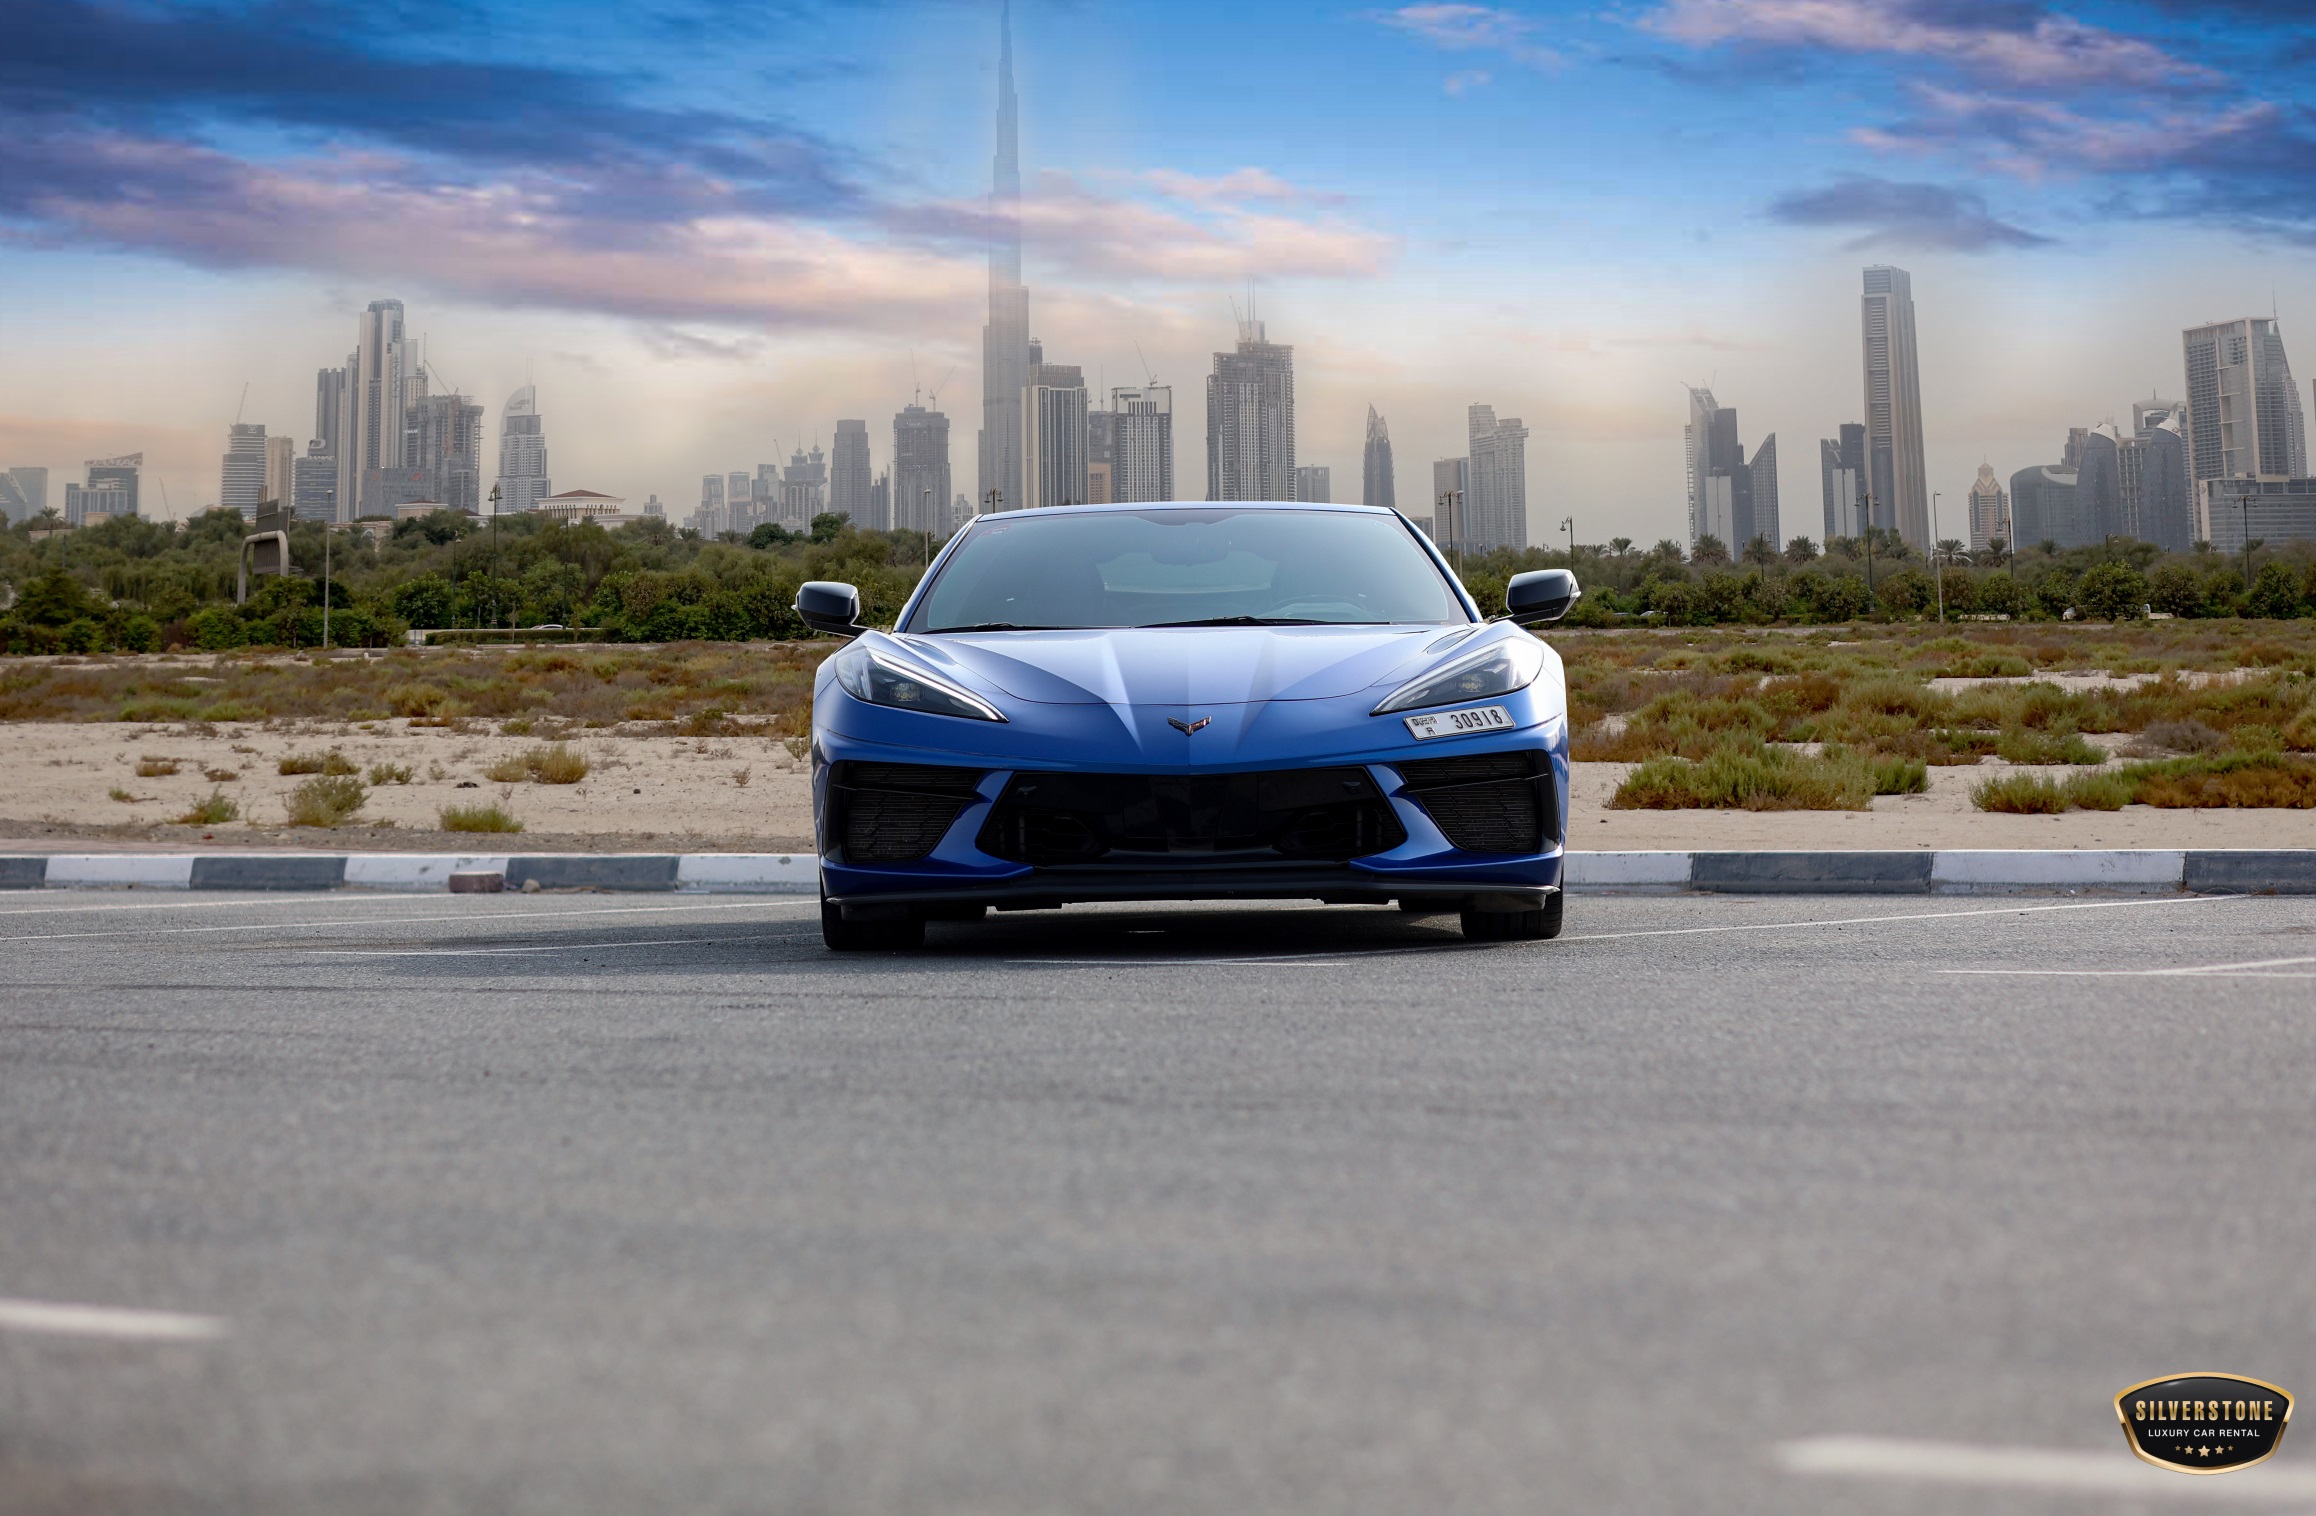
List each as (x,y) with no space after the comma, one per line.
(1920,872)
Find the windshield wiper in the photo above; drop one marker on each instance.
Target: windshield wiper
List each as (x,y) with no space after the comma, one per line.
(1240,621)
(998,626)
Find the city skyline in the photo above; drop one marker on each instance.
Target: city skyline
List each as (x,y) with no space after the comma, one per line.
(1136,237)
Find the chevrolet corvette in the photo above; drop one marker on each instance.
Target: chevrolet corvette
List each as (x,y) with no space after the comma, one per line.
(1145,702)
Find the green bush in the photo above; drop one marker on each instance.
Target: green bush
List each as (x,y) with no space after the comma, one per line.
(2112,592)
(216,628)
(478,818)
(2275,592)
(1746,774)
(326,800)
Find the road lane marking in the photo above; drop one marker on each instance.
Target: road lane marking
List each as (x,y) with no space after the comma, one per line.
(117,1322)
(2055,1469)
(754,903)
(550,947)
(2006,910)
(272,897)
(1671,931)
(2257,968)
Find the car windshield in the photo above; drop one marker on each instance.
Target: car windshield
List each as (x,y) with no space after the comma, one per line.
(1221,567)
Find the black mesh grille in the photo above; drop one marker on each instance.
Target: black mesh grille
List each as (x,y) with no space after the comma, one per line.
(897,812)
(1053,820)
(1488,802)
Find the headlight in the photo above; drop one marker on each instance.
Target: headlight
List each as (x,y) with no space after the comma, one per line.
(1512,664)
(869,675)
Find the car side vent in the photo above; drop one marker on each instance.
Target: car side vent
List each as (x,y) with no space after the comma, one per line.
(897,812)
(1488,802)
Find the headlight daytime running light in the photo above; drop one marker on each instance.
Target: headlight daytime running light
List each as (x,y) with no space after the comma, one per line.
(1499,669)
(871,676)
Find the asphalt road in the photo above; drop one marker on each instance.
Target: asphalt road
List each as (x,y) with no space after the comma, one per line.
(630,1204)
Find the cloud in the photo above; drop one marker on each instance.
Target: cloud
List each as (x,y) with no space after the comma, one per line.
(2040,139)
(1204,237)
(2019,44)
(1468,80)
(1472,28)
(1896,215)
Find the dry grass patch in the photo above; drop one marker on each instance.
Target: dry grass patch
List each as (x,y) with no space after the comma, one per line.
(216,810)
(1751,775)
(332,762)
(548,763)
(156,768)
(326,800)
(479,818)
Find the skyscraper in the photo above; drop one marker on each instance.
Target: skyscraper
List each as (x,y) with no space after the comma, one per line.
(23,493)
(523,479)
(1250,420)
(2158,496)
(1894,465)
(2243,411)
(281,452)
(921,471)
(1842,470)
(1005,339)
(1761,475)
(329,409)
(803,490)
(850,474)
(382,377)
(1314,482)
(2098,487)
(2042,504)
(1989,510)
(1053,435)
(443,436)
(118,476)
(711,492)
(242,481)
(1375,477)
(314,484)
(1142,442)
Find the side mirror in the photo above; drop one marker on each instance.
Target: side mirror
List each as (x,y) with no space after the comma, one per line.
(1541,596)
(826,606)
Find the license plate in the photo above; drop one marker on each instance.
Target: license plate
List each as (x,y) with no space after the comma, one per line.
(1485,718)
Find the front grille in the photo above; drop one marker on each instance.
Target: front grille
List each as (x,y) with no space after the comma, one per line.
(1053,820)
(897,812)
(1488,802)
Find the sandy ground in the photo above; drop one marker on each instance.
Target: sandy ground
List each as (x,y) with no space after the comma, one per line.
(655,793)
(642,792)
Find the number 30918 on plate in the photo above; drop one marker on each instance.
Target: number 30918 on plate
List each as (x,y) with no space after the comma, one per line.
(1486,718)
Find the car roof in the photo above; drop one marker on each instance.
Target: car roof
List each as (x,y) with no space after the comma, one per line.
(1193,505)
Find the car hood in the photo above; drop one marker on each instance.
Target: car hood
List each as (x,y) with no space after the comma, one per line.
(1182,665)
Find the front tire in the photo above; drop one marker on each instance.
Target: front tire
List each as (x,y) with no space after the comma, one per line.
(1510,926)
(841,936)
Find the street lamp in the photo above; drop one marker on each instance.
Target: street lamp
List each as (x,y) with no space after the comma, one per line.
(325,584)
(1568,525)
(1450,508)
(494,552)
(926,496)
(1937,558)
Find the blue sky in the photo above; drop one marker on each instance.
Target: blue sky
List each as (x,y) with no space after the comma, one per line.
(704,228)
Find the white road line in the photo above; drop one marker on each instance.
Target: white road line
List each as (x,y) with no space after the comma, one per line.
(757,902)
(2255,969)
(1671,931)
(2055,1469)
(2005,910)
(116,1322)
(551,947)
(235,903)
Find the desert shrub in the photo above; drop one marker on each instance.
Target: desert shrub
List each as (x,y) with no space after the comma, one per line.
(216,810)
(155,768)
(1750,775)
(2021,744)
(1830,597)
(478,818)
(332,762)
(389,773)
(548,763)
(2225,780)
(2112,591)
(1904,591)
(2035,795)
(2054,593)
(2189,736)
(139,634)
(1673,599)
(1896,774)
(326,800)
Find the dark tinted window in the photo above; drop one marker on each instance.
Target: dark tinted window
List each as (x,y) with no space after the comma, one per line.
(1150,568)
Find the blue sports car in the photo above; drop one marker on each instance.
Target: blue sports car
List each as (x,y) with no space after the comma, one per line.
(1189,702)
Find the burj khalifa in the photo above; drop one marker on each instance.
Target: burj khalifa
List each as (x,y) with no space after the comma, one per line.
(1005,339)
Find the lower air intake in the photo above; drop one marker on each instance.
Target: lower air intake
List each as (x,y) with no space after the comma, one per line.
(1052,820)
(897,812)
(1488,802)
